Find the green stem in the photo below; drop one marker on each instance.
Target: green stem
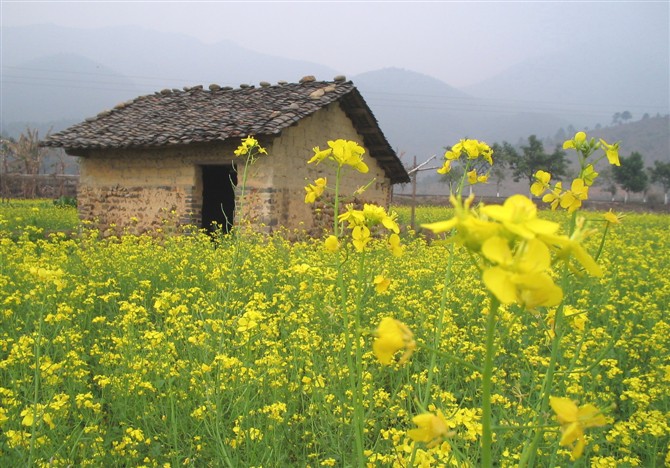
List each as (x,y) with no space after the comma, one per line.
(461,184)
(487,433)
(529,453)
(336,206)
(36,387)
(353,352)
(359,420)
(602,242)
(247,163)
(439,327)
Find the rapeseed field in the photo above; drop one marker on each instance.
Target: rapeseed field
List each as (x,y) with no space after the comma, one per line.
(373,346)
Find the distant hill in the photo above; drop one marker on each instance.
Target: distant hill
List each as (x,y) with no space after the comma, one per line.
(566,85)
(649,137)
(61,87)
(93,69)
(421,115)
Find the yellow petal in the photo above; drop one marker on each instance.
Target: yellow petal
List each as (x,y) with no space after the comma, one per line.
(332,244)
(497,250)
(498,281)
(389,340)
(565,409)
(441,226)
(590,416)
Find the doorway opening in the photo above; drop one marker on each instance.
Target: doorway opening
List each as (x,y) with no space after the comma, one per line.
(218,197)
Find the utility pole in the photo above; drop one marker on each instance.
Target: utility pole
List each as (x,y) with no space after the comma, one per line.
(412,173)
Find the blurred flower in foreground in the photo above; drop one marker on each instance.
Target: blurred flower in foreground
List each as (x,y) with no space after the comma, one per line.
(381,283)
(432,429)
(516,246)
(574,420)
(332,244)
(392,336)
(521,276)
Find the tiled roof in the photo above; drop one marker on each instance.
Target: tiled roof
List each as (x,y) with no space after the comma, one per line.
(198,115)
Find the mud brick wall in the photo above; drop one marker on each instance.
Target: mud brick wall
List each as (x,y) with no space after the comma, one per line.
(294,148)
(145,189)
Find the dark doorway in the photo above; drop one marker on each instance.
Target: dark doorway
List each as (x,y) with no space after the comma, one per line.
(218,197)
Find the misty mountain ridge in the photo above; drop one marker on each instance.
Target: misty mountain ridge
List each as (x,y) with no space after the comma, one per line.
(59,76)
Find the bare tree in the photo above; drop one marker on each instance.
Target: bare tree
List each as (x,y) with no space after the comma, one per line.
(28,155)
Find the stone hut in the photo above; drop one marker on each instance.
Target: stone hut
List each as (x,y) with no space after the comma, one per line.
(171,155)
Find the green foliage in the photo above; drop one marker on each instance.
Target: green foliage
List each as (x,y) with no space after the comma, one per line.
(453,177)
(630,175)
(661,175)
(65,201)
(36,218)
(534,158)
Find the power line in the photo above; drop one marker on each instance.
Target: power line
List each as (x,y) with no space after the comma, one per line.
(395,97)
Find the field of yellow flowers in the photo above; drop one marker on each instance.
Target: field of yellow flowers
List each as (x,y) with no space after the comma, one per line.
(507,337)
(138,351)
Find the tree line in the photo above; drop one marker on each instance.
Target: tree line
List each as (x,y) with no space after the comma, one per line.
(523,161)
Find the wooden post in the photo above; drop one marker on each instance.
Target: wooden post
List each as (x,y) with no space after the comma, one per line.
(413,209)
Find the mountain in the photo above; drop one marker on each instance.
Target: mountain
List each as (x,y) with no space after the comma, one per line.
(421,115)
(648,136)
(51,72)
(61,87)
(55,76)
(583,86)
(155,60)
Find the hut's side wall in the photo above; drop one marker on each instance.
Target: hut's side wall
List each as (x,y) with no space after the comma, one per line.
(289,155)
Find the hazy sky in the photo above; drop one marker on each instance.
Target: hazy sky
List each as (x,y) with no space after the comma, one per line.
(460,43)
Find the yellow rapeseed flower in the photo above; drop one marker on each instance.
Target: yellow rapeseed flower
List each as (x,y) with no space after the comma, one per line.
(518,215)
(360,237)
(381,283)
(611,151)
(473,150)
(431,430)
(446,167)
(332,244)
(612,218)
(554,197)
(541,183)
(576,142)
(520,277)
(572,199)
(394,245)
(315,190)
(589,175)
(392,336)
(247,145)
(574,420)
(344,153)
